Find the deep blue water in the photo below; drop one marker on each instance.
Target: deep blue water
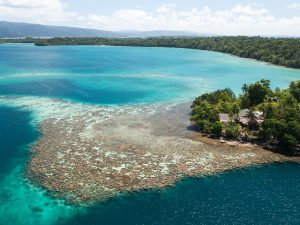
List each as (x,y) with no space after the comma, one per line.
(16,133)
(265,195)
(20,202)
(125,75)
(58,88)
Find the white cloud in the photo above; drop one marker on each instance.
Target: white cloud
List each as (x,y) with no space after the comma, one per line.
(22,3)
(248,10)
(236,20)
(294,5)
(165,8)
(46,11)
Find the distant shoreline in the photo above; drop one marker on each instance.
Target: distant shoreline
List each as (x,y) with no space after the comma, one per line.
(257,48)
(250,59)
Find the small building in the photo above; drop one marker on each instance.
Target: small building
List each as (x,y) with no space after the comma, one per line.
(258,115)
(224,118)
(244,113)
(251,123)
(244,121)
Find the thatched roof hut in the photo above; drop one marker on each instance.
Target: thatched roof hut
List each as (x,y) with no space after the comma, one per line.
(224,118)
(246,121)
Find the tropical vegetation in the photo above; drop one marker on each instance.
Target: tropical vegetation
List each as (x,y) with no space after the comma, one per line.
(275,114)
(278,51)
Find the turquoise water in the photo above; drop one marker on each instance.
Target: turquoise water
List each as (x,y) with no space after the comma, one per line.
(21,202)
(118,75)
(126,75)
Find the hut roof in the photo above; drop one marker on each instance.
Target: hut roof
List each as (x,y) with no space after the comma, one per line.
(244,121)
(244,113)
(224,118)
(258,115)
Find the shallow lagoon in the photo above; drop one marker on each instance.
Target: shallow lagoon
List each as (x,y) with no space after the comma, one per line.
(125,75)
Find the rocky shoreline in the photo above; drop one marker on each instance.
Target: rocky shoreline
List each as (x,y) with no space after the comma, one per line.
(90,153)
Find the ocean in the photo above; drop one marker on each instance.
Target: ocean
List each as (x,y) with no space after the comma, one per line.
(104,75)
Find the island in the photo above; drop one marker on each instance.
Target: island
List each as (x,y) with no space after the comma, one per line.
(259,114)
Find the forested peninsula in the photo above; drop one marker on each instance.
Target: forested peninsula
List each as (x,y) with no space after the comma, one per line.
(259,114)
(278,51)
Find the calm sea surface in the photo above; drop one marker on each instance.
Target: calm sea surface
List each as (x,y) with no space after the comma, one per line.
(118,75)
(128,75)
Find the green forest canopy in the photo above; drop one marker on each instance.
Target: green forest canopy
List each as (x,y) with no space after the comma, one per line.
(278,51)
(281,113)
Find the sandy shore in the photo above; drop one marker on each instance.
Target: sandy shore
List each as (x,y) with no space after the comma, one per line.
(90,153)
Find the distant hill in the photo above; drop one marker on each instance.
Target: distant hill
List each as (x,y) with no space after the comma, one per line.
(20,30)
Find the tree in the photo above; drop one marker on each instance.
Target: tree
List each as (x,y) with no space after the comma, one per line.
(282,51)
(204,115)
(281,110)
(254,94)
(217,128)
(295,89)
(232,131)
(225,95)
(282,122)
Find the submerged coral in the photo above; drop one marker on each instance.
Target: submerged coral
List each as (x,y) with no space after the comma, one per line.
(89,153)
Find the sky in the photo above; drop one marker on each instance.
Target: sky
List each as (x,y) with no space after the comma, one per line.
(220,17)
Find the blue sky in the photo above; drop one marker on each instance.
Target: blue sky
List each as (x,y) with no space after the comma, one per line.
(229,17)
(108,7)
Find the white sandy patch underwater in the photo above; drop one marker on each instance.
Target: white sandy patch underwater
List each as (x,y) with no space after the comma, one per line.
(47,108)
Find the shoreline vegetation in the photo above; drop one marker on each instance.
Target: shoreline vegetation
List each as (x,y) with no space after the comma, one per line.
(277,51)
(259,115)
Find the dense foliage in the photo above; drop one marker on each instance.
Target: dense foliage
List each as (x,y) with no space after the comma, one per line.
(278,51)
(280,108)
(254,94)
